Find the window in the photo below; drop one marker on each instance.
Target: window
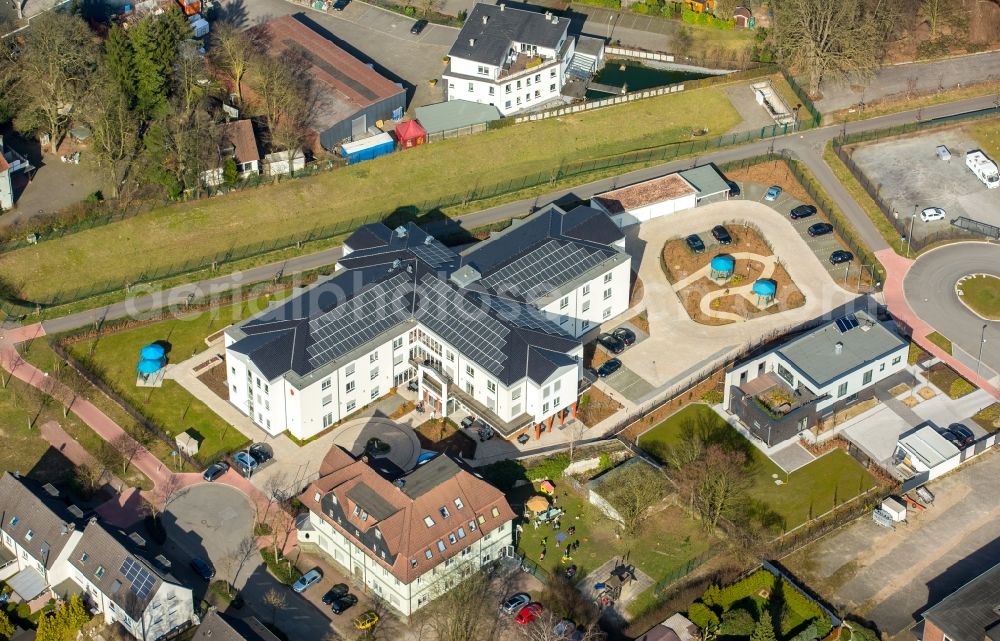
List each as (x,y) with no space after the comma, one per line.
(492,90)
(375,393)
(349,370)
(357,510)
(785,374)
(444,512)
(515,409)
(491,387)
(373,358)
(461,532)
(552,87)
(469,371)
(545,407)
(472,87)
(518,84)
(428,554)
(495,512)
(99,572)
(545,391)
(519,100)
(506,89)
(538,77)
(328,399)
(452,539)
(428,521)
(482,70)
(552,72)
(413,563)
(374,374)
(516,394)
(328,420)
(13,521)
(351,405)
(564,303)
(450,356)
(607,278)
(896,360)
(30,534)
(527,81)
(267,404)
(585,324)
(349,387)
(842,390)
(881,367)
(234,389)
(586,289)
(441,547)
(397,342)
(538,94)
(607,293)
(867,377)
(458,503)
(472,526)
(84,557)
(586,305)
(258,383)
(232,370)
(265,389)
(506,104)
(606,314)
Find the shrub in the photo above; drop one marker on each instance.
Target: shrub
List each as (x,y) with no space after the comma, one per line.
(702,616)
(409,11)
(550,468)
(737,623)
(607,4)
(959,388)
(759,580)
(641,8)
(712,397)
(282,569)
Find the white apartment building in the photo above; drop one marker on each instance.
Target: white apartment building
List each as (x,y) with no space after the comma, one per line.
(407,539)
(511,58)
(790,388)
(53,546)
(493,330)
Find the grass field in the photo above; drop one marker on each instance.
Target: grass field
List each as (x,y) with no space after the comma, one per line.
(982,295)
(170,405)
(172,234)
(860,196)
(987,134)
(939,340)
(804,494)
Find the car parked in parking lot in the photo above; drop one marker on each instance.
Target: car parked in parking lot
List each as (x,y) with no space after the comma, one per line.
(820,229)
(307,580)
(215,470)
(608,368)
(340,5)
(841,256)
(515,602)
(366,621)
(203,568)
(734,189)
(564,629)
(418,26)
(802,211)
(695,243)
(528,613)
(964,434)
(951,437)
(261,452)
(343,603)
(772,193)
(334,593)
(625,335)
(721,235)
(932,213)
(610,343)
(244,461)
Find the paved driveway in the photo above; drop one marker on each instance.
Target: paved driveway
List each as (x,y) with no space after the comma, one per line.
(891,576)
(377,36)
(678,347)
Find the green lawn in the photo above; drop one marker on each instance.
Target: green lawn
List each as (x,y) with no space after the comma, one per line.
(987,134)
(172,235)
(805,493)
(171,405)
(982,295)
(939,340)
(860,196)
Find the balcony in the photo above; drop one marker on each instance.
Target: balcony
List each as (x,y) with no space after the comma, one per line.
(520,63)
(771,410)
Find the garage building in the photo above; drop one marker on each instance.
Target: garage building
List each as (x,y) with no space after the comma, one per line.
(647,200)
(350,95)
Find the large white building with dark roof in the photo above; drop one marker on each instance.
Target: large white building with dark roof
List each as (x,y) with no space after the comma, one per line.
(494,330)
(512,58)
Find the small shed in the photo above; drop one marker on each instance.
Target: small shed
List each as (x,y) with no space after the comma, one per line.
(410,133)
(368,148)
(894,509)
(187,443)
(743,18)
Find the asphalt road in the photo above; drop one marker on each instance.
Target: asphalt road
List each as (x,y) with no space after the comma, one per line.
(930,289)
(807,146)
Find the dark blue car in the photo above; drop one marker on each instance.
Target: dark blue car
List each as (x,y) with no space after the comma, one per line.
(203,568)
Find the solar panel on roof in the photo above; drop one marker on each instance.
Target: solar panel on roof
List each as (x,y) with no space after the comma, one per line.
(526,316)
(434,254)
(847,323)
(541,270)
(141,579)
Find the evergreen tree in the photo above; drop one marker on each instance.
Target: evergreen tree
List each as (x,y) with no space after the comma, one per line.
(6,627)
(119,60)
(764,630)
(155,41)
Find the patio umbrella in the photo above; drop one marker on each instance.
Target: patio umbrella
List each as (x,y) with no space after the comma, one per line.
(538,504)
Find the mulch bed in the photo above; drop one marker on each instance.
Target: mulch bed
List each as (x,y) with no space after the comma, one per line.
(679,261)
(789,297)
(442,436)
(215,380)
(598,407)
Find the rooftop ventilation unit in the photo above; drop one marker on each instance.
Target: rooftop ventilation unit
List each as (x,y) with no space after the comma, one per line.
(838,348)
(401,232)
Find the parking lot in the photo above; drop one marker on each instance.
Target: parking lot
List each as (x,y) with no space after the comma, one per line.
(911,178)
(891,576)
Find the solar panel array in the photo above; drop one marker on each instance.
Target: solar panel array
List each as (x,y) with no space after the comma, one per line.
(434,254)
(463,324)
(358,320)
(847,323)
(142,580)
(543,269)
(525,316)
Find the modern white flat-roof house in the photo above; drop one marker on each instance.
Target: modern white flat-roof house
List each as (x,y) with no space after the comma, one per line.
(53,546)
(512,58)
(493,330)
(663,196)
(407,536)
(792,387)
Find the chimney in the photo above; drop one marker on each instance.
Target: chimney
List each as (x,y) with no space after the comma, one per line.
(503,6)
(486,19)
(838,348)
(472,42)
(548,15)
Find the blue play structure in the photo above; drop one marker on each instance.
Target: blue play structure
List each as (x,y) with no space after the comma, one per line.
(765,290)
(152,358)
(722,267)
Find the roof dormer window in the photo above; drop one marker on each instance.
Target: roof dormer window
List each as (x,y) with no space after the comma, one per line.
(495,512)
(441,547)
(413,562)
(428,553)
(84,557)
(13,521)
(458,503)
(428,521)
(444,512)
(357,510)
(29,535)
(317,496)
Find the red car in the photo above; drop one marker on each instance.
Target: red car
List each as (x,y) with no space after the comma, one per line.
(529,613)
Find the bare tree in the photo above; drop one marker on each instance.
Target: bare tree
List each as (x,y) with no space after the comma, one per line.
(235,51)
(931,10)
(163,495)
(55,66)
(88,478)
(245,549)
(129,448)
(831,40)
(551,627)
(276,600)
(283,96)
(115,129)
(633,490)
(723,9)
(463,606)
(109,457)
(715,484)
(276,490)
(428,6)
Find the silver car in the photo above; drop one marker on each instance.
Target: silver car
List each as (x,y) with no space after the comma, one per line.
(515,602)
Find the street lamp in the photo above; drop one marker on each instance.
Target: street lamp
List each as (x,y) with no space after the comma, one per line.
(910,235)
(982,341)
(611,20)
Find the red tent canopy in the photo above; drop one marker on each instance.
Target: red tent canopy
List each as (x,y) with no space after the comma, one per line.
(409,133)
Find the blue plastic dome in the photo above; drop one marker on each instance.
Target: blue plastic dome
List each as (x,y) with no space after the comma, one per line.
(723,263)
(765,287)
(152,352)
(149,366)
